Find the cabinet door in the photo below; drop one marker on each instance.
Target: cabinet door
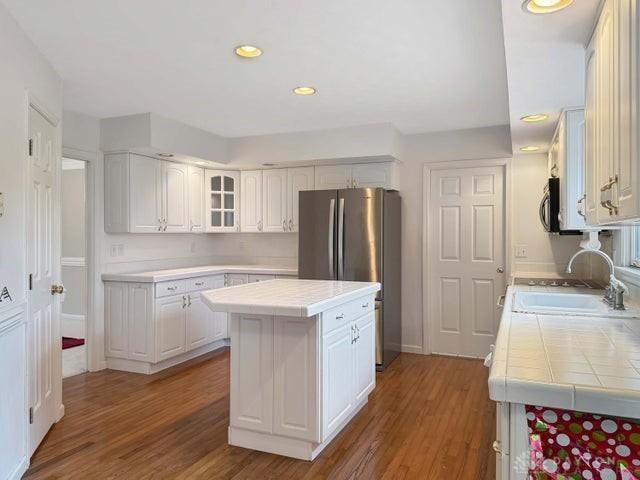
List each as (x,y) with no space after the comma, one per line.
(298,180)
(199,318)
(338,392)
(254,278)
(196,199)
(222,201)
(236,279)
(145,192)
(625,190)
(251,204)
(274,200)
(170,326)
(330,177)
(374,175)
(365,356)
(592,146)
(572,162)
(220,321)
(176,197)
(116,305)
(140,328)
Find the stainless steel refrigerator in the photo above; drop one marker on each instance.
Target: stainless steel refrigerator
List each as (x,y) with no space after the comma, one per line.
(354,234)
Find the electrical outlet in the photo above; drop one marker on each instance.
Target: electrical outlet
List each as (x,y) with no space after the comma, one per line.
(114,250)
(521,251)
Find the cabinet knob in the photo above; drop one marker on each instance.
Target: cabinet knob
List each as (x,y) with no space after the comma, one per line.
(500,269)
(57,289)
(340,317)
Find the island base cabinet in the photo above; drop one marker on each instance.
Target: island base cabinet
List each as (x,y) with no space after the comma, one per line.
(297,381)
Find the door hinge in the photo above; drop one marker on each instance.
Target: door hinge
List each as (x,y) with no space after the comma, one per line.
(31,281)
(31,147)
(30,415)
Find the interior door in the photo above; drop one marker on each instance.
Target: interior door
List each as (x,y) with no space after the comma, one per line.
(360,234)
(466,259)
(274,200)
(175,197)
(45,353)
(146,194)
(317,238)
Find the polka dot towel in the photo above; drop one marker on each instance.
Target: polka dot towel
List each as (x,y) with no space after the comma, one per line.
(574,446)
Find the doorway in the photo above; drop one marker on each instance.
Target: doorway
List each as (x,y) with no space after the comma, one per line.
(73,325)
(465,256)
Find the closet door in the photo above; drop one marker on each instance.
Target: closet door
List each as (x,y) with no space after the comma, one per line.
(196,199)
(251,204)
(145,192)
(175,197)
(274,200)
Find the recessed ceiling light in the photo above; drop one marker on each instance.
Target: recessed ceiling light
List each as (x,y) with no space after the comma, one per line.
(545,6)
(166,155)
(248,51)
(304,90)
(535,118)
(529,149)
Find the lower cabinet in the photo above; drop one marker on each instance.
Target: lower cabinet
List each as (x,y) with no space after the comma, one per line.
(147,323)
(512,443)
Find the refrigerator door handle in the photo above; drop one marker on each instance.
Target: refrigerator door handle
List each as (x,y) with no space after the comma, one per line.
(341,240)
(332,221)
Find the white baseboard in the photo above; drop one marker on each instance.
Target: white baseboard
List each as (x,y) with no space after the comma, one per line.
(72,325)
(22,467)
(412,349)
(148,368)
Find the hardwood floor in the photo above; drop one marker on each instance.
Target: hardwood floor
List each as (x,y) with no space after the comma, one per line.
(429,417)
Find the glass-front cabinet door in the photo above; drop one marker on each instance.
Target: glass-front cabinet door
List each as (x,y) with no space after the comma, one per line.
(222,201)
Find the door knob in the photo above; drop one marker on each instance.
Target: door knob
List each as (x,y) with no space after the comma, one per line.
(500,269)
(59,289)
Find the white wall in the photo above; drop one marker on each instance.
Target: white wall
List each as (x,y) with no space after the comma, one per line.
(546,254)
(24,70)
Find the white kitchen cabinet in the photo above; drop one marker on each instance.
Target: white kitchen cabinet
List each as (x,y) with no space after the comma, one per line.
(511,446)
(171,326)
(251,201)
(14,459)
(567,162)
(338,382)
(252,277)
(364,175)
(298,180)
(233,279)
(196,200)
(146,195)
(612,113)
(365,355)
(219,321)
(198,322)
(274,200)
(222,200)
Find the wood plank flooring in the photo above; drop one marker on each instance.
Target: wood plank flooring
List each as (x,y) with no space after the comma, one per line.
(429,417)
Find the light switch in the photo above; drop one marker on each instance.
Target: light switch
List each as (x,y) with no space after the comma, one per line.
(521,251)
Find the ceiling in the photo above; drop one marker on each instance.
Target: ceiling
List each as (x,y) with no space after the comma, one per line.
(422,65)
(545,57)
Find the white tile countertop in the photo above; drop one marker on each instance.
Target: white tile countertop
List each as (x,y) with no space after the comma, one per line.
(297,298)
(583,363)
(191,272)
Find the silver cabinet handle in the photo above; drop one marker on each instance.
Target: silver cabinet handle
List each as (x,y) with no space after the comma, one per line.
(332,222)
(184,301)
(341,240)
(260,225)
(159,225)
(581,206)
(189,304)
(172,289)
(199,284)
(340,317)
(290,225)
(353,335)
(365,305)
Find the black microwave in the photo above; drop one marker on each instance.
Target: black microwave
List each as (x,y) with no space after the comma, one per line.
(550,209)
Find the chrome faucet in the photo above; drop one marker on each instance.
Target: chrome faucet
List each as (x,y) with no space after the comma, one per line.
(615,291)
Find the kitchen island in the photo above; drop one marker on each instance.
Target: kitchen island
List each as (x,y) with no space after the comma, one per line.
(302,361)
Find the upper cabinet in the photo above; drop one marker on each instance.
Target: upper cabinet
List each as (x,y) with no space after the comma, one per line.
(274,200)
(196,199)
(251,200)
(566,162)
(612,176)
(298,180)
(222,200)
(146,195)
(384,175)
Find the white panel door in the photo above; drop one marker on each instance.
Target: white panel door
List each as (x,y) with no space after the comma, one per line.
(338,392)
(199,318)
(252,368)
(296,378)
(170,326)
(298,180)
(365,356)
(274,200)
(145,192)
(331,177)
(175,197)
(466,259)
(251,204)
(44,265)
(196,199)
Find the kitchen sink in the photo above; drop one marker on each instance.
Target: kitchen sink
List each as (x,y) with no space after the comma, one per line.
(571,303)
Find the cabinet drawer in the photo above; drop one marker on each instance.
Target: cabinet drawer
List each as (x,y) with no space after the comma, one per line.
(260,278)
(345,313)
(204,283)
(164,289)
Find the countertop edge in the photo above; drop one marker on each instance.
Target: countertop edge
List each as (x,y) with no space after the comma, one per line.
(143,277)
